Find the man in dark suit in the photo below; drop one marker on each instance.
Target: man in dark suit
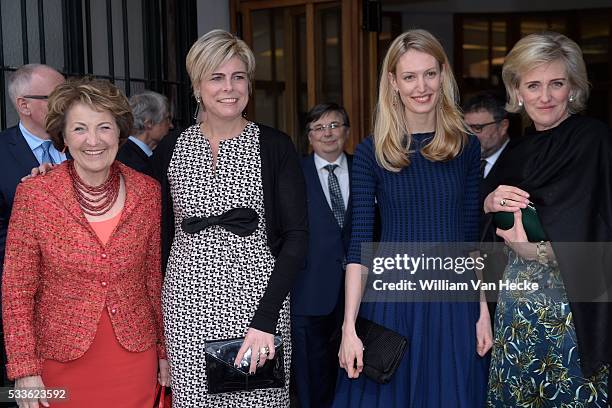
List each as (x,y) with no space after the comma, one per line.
(26,145)
(317,296)
(152,121)
(486,116)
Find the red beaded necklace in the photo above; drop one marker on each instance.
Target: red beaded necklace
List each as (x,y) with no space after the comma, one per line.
(96,200)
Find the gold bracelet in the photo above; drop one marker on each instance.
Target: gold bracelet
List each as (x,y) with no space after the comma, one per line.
(541,253)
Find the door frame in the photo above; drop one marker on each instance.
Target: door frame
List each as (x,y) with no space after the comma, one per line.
(359,56)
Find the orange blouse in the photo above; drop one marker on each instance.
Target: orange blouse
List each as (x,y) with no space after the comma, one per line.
(104,229)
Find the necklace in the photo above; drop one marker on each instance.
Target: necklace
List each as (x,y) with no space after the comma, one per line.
(96,200)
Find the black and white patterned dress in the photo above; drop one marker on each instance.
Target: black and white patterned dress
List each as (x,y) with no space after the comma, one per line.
(214,278)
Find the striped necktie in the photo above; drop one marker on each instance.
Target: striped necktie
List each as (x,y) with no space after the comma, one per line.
(46,156)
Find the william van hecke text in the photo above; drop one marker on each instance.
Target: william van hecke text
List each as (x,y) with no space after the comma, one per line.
(449,285)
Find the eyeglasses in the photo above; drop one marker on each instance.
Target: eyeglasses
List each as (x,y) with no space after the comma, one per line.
(43,97)
(478,127)
(331,126)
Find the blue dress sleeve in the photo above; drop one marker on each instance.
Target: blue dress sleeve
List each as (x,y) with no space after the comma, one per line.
(471,201)
(363,194)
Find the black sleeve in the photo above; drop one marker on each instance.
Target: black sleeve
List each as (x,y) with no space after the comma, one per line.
(290,220)
(160,162)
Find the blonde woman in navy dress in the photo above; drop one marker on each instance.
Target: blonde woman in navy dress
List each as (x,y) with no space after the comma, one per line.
(422,169)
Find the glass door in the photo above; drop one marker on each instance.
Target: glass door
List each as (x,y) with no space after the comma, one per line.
(298,52)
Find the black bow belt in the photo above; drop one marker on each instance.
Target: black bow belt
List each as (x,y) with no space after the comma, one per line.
(240,221)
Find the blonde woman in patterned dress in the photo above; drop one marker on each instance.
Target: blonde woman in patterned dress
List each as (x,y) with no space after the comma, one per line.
(552,344)
(220,285)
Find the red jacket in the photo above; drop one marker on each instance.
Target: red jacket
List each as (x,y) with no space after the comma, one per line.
(59,278)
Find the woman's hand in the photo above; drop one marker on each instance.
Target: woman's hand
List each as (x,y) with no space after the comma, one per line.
(351,350)
(42,169)
(484,333)
(33,382)
(259,342)
(163,376)
(516,238)
(506,198)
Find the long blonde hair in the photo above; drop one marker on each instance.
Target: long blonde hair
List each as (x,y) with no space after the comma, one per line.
(392,139)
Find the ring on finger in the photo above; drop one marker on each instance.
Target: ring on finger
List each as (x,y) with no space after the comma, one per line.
(502,202)
(264,350)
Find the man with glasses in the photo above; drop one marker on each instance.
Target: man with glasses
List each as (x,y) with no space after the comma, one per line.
(316,298)
(486,116)
(26,145)
(152,121)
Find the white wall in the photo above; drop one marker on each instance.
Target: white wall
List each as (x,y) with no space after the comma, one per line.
(441,24)
(213,14)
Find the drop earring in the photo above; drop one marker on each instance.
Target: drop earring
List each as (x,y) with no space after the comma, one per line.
(520,103)
(395,98)
(571,99)
(197,111)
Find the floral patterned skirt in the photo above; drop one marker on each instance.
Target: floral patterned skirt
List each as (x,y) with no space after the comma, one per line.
(535,361)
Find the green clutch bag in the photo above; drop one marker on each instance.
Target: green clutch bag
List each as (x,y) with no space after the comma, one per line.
(531,223)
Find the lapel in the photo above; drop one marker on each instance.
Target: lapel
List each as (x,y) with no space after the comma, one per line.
(139,152)
(59,185)
(21,152)
(349,206)
(313,174)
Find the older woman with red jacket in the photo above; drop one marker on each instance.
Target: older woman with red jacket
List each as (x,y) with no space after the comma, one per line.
(82,278)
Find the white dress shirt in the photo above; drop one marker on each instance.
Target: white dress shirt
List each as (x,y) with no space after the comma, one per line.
(341,172)
(35,144)
(493,158)
(143,146)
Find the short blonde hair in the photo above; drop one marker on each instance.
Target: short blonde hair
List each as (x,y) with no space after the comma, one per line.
(538,49)
(391,136)
(98,94)
(214,49)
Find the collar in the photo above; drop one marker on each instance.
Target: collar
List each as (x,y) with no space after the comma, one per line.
(145,147)
(59,184)
(340,161)
(32,140)
(493,158)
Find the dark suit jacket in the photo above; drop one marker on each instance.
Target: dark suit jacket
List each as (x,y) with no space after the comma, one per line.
(319,284)
(16,161)
(133,156)
(496,259)
(487,185)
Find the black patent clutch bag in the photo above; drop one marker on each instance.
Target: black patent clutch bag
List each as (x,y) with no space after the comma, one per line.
(384,350)
(223,376)
(531,223)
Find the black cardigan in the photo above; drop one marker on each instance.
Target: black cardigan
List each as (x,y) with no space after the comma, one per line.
(285,210)
(567,170)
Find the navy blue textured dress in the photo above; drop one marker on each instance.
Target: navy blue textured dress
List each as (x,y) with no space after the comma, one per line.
(424,202)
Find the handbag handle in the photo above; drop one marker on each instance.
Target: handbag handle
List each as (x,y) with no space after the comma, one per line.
(160,390)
